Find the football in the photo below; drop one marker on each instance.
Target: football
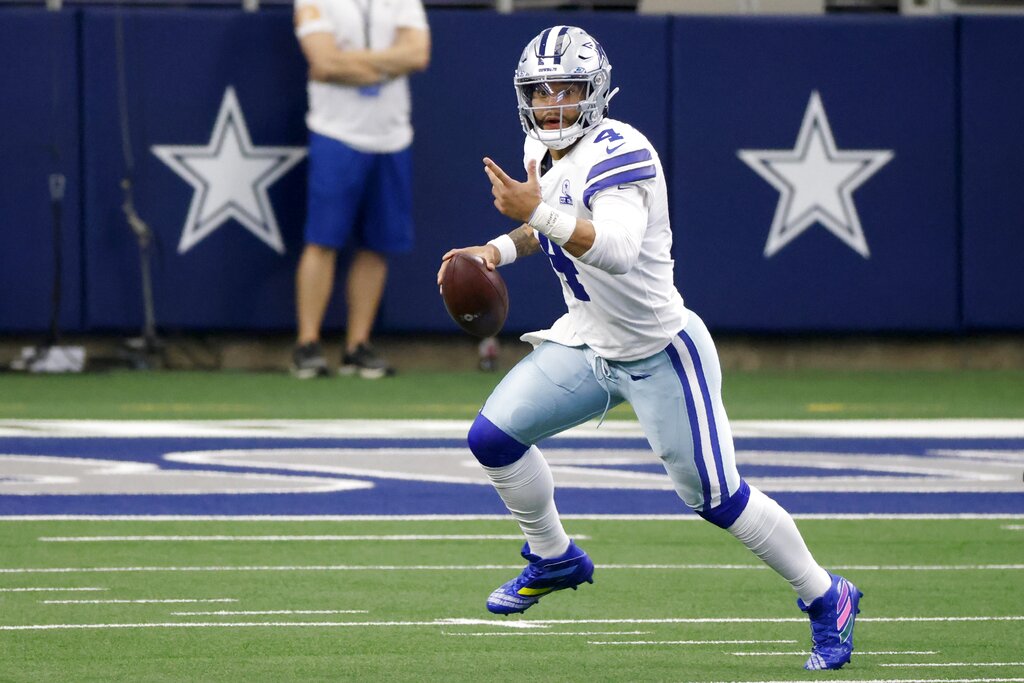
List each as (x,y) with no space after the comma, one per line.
(476,298)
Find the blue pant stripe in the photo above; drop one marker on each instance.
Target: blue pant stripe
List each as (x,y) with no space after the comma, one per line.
(691,412)
(702,381)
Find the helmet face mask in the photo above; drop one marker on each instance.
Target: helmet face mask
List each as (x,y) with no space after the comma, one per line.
(563,64)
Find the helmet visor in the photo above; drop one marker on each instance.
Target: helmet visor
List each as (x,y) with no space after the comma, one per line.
(539,94)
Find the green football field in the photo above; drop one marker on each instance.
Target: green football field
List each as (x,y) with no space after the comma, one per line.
(403,599)
(793,394)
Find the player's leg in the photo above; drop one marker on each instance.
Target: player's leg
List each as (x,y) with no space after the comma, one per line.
(687,425)
(335,187)
(552,389)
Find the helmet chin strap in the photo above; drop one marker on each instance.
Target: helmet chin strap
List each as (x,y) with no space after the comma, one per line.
(562,141)
(608,99)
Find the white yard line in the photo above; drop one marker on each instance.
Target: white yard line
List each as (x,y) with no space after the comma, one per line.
(221,624)
(682,517)
(47,590)
(134,602)
(944,664)
(856,653)
(900,680)
(457,429)
(500,624)
(545,623)
(261,539)
(225,613)
(485,567)
(688,642)
(1013,527)
(548,634)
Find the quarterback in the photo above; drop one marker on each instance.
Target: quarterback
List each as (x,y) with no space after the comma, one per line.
(595,203)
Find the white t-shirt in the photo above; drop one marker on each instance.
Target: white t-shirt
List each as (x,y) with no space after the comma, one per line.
(622,317)
(369,119)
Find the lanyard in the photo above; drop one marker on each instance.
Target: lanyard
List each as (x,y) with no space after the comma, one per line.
(366,12)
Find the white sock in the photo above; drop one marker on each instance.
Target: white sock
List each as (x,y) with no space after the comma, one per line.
(528,490)
(771,534)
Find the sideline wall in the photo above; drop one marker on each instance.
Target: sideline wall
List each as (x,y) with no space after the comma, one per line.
(897,210)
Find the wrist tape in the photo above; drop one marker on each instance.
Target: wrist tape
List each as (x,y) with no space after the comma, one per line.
(506,249)
(557,225)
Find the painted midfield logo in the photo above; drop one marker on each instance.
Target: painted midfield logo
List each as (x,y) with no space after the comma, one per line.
(230,178)
(815,182)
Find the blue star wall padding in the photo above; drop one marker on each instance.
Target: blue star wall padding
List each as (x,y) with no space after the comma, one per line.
(814,175)
(992,157)
(826,174)
(215,101)
(40,119)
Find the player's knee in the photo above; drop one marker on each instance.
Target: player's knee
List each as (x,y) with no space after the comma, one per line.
(491,446)
(726,514)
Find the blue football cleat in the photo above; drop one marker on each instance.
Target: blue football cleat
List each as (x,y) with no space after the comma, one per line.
(832,618)
(540,578)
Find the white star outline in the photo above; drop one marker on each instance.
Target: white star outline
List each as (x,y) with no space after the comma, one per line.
(230,178)
(815,182)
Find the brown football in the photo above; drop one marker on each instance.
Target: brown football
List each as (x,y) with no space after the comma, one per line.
(476,298)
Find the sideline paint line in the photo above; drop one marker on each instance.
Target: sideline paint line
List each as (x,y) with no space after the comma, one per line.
(687,642)
(225,613)
(480,567)
(220,624)
(904,680)
(457,429)
(433,623)
(322,537)
(936,664)
(45,590)
(545,623)
(548,634)
(803,653)
(254,568)
(134,602)
(683,517)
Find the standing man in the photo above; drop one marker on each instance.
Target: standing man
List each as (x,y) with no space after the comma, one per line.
(360,170)
(595,203)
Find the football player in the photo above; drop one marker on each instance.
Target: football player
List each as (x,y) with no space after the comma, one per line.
(595,204)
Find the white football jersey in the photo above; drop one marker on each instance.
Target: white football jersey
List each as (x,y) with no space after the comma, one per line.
(621,317)
(373,119)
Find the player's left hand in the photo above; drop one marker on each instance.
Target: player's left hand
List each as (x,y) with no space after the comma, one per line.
(512,198)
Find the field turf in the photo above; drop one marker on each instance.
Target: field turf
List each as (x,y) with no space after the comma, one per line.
(393,599)
(943,601)
(792,394)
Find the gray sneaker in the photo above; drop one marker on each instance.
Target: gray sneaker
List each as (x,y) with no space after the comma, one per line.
(366,363)
(308,361)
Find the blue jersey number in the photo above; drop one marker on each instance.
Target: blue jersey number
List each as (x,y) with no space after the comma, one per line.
(608,134)
(563,264)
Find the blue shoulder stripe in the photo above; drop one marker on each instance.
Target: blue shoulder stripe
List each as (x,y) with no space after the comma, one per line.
(631,176)
(616,162)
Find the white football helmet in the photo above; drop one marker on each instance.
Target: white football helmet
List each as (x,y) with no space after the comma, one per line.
(564,54)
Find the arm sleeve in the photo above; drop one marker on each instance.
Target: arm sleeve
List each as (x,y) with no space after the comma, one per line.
(620,220)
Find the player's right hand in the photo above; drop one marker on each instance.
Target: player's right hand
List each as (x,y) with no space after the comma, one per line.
(488,252)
